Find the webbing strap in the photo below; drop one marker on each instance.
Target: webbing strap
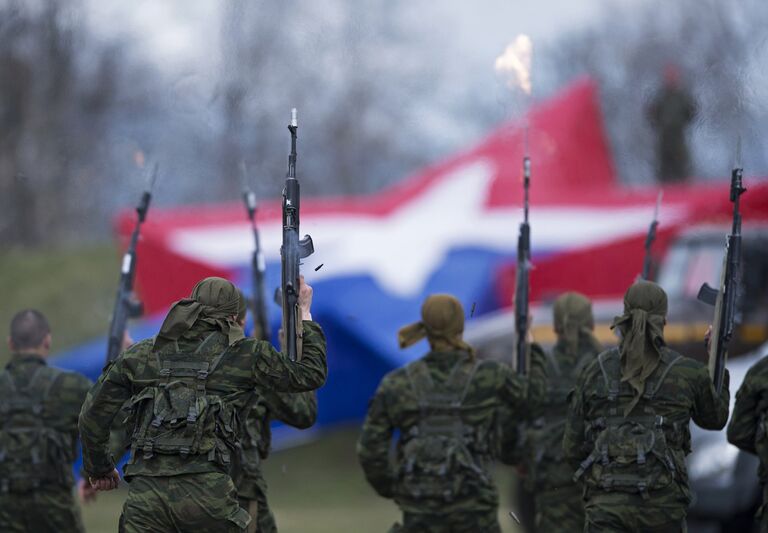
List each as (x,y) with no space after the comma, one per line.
(459,379)
(554,365)
(652,392)
(6,377)
(206,342)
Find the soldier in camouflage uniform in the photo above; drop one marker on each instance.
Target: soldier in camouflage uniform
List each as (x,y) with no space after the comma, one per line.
(187,386)
(38,440)
(298,410)
(558,499)
(447,407)
(748,429)
(628,424)
(670,113)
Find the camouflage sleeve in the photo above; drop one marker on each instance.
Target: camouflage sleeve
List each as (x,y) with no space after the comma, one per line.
(274,370)
(710,411)
(101,405)
(374,444)
(537,377)
(742,429)
(573,439)
(295,409)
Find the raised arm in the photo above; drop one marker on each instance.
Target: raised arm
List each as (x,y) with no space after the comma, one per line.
(710,411)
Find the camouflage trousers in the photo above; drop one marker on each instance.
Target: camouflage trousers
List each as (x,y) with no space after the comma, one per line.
(51,509)
(487,522)
(262,519)
(560,509)
(185,503)
(615,512)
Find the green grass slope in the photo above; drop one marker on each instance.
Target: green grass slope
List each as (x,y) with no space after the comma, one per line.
(74,288)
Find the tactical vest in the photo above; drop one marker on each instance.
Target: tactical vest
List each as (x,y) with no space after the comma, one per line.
(32,453)
(442,457)
(178,415)
(637,453)
(545,434)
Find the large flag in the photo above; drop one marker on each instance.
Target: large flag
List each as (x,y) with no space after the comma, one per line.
(450,228)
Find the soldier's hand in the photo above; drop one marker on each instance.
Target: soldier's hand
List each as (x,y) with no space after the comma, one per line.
(305,299)
(708,337)
(127,341)
(108,482)
(85,491)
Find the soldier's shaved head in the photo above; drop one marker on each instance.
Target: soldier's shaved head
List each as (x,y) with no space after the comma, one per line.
(29,328)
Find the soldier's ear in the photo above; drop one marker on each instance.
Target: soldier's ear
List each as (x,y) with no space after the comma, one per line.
(10,344)
(47,340)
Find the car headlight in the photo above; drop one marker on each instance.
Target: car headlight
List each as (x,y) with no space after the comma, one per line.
(713,460)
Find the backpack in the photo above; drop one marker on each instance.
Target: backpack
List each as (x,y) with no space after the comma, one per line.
(442,457)
(631,453)
(545,433)
(32,454)
(178,415)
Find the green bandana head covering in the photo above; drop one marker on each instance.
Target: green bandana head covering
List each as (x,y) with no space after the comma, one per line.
(242,308)
(214,301)
(642,330)
(574,321)
(442,323)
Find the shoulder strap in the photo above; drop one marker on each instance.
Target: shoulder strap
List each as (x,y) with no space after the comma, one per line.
(470,374)
(652,390)
(206,342)
(53,377)
(7,380)
(553,364)
(419,378)
(611,382)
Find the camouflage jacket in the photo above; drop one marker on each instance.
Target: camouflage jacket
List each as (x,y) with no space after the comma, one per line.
(747,428)
(298,410)
(248,366)
(495,394)
(545,466)
(682,391)
(60,411)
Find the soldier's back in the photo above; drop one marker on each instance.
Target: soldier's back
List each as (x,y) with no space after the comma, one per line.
(39,406)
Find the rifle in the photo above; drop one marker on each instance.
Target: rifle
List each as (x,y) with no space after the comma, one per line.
(126,304)
(292,251)
(650,238)
(724,299)
(258,266)
(522,277)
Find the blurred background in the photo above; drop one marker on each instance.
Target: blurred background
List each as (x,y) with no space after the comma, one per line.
(397,101)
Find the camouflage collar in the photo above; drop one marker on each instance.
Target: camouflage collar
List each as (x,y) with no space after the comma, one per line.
(21,358)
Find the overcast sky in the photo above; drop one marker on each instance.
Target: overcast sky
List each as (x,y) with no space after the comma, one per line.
(178,35)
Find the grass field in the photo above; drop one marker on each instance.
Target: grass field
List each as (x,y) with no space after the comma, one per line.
(313,488)
(74,288)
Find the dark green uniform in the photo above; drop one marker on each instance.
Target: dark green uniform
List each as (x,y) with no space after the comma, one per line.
(298,410)
(38,444)
(670,113)
(442,389)
(633,465)
(183,483)
(747,428)
(558,499)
